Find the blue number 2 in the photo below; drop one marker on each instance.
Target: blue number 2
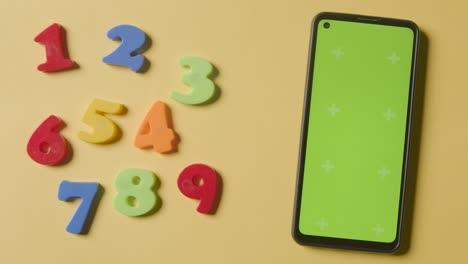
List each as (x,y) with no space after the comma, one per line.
(87,192)
(133,39)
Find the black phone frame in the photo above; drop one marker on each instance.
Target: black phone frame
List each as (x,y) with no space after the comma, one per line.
(341,242)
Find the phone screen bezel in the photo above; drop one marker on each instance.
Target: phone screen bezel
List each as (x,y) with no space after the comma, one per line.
(340,242)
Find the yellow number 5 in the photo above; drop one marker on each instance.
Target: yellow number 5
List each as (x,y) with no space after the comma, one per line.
(203,89)
(104,130)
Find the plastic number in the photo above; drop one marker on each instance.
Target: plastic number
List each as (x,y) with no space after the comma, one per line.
(53,38)
(104,130)
(46,146)
(135,195)
(199,181)
(87,191)
(156,130)
(203,89)
(133,39)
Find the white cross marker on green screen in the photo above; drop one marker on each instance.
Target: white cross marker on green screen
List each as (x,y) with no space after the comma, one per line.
(389,115)
(338,52)
(333,109)
(378,229)
(383,172)
(394,58)
(328,166)
(322,223)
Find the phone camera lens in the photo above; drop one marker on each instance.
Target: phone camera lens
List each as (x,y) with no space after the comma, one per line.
(326,25)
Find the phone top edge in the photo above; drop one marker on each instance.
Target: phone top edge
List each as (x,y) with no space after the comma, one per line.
(366,19)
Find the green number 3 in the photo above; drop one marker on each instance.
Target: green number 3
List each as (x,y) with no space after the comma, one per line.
(203,89)
(135,195)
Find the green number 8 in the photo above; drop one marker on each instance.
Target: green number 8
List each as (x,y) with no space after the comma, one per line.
(135,195)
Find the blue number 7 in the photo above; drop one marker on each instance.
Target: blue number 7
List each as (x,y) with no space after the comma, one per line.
(87,191)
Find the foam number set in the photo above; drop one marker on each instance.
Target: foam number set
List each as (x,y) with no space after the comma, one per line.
(136,188)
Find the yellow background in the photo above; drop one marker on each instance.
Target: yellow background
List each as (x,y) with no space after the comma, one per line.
(250,135)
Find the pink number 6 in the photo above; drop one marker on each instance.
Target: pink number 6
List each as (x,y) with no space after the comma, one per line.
(199,181)
(46,146)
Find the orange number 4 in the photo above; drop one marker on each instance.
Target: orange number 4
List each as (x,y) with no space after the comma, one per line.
(156,130)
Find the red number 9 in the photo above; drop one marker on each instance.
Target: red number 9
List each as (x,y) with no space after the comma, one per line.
(199,181)
(46,146)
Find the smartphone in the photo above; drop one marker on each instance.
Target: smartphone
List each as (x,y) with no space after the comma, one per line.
(355,136)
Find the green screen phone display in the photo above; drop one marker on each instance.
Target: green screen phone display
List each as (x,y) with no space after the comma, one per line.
(356,131)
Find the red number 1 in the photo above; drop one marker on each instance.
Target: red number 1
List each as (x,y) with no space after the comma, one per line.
(53,38)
